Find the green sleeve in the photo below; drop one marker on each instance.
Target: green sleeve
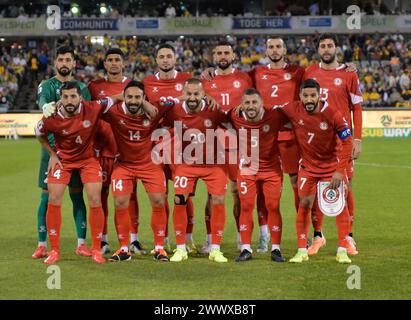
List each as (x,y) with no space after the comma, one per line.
(85,93)
(43,94)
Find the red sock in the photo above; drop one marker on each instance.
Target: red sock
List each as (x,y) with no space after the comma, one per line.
(122,222)
(296,199)
(158,224)
(96,226)
(246,220)
(167,207)
(303,224)
(350,205)
(217,223)
(134,213)
(343,225)
(275,222)
(53,222)
(180,223)
(317,217)
(104,204)
(190,215)
(207,216)
(261,210)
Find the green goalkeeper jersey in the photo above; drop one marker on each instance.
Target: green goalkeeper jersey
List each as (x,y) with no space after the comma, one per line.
(49,91)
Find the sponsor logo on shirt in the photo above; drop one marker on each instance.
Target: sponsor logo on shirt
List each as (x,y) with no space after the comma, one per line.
(155,89)
(264,77)
(213,86)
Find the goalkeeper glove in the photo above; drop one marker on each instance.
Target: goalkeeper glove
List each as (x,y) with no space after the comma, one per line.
(49,109)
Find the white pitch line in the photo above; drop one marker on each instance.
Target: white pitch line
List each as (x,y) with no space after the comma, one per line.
(380,165)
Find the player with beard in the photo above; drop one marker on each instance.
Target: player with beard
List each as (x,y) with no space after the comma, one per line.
(261,174)
(226,88)
(49,93)
(168,83)
(316,124)
(196,121)
(341,89)
(105,145)
(74,126)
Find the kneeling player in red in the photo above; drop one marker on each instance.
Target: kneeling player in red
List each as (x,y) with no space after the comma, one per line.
(259,169)
(316,125)
(73,126)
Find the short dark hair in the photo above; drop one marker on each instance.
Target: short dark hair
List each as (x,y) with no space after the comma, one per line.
(310,83)
(114,51)
(193,81)
(135,83)
(251,91)
(328,35)
(165,46)
(224,43)
(70,85)
(64,50)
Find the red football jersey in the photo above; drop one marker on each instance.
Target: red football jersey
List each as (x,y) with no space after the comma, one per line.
(159,90)
(278,86)
(228,90)
(339,88)
(133,134)
(265,140)
(316,135)
(193,127)
(74,135)
(105,144)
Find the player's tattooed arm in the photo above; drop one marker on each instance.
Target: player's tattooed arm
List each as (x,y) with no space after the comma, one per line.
(207,74)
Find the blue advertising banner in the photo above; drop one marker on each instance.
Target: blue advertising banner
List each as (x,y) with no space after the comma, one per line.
(89,24)
(262,23)
(147,24)
(320,22)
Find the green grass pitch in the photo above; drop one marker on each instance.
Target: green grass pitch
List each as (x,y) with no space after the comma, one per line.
(382,231)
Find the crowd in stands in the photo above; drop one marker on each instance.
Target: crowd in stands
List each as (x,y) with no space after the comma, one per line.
(174,8)
(383,61)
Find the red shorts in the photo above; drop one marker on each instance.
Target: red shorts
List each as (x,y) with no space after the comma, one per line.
(290,156)
(231,167)
(269,182)
(107,165)
(185,179)
(89,169)
(123,179)
(350,169)
(307,183)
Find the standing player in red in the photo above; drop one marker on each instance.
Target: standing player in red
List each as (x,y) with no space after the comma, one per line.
(196,121)
(226,87)
(262,174)
(112,84)
(74,127)
(340,89)
(132,130)
(316,125)
(167,84)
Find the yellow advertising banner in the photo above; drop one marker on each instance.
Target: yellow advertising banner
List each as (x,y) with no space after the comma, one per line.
(386,119)
(21,123)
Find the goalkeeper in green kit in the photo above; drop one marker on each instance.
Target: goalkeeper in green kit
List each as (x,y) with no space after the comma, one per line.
(49,93)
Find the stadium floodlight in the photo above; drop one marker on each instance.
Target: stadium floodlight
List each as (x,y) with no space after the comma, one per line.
(75,9)
(2,39)
(103,8)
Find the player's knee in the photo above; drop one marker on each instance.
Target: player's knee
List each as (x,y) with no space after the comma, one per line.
(273,206)
(55,199)
(180,199)
(121,203)
(216,200)
(246,205)
(158,201)
(305,203)
(294,180)
(94,200)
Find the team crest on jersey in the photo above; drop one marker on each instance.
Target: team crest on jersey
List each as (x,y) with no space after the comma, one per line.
(236,84)
(337,81)
(266,128)
(287,76)
(86,123)
(208,123)
(323,125)
(301,122)
(179,87)
(146,122)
